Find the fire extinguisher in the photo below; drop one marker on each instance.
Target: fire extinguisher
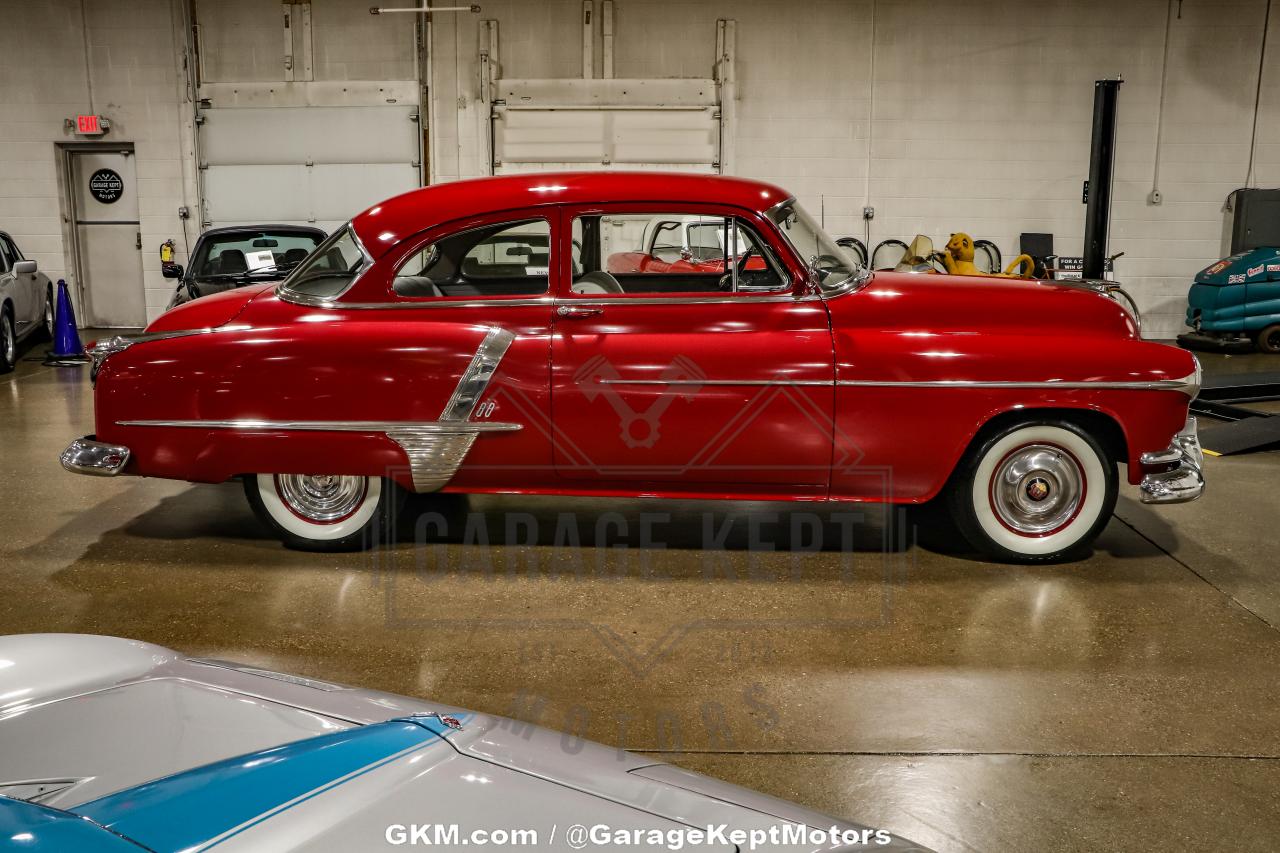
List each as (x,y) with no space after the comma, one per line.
(167,266)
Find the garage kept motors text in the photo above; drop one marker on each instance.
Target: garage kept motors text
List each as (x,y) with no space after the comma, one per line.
(106,186)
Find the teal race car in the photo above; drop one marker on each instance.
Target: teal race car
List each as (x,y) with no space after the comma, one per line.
(1235,303)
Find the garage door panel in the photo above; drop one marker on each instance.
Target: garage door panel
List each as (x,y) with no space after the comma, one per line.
(325,195)
(293,135)
(253,194)
(339,192)
(662,137)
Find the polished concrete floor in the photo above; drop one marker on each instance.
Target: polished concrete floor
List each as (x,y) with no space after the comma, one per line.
(1127,702)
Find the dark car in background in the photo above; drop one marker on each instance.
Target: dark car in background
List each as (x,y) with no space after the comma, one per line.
(225,258)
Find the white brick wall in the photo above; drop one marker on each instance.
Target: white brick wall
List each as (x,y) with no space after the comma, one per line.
(969,116)
(976,115)
(133,59)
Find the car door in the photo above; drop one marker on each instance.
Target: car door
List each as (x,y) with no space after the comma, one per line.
(492,272)
(13,289)
(25,285)
(694,380)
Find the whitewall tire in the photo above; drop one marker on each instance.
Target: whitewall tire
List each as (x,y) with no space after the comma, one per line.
(324,512)
(1034,492)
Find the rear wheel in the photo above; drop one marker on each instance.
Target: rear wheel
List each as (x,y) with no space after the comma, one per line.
(1035,492)
(325,512)
(1268,340)
(8,342)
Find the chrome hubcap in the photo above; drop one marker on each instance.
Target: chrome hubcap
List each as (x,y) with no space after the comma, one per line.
(322,498)
(9,341)
(48,316)
(1036,490)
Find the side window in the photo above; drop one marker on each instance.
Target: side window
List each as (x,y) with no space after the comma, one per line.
(687,255)
(504,259)
(6,256)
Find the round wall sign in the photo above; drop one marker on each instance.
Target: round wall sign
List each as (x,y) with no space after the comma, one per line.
(106,186)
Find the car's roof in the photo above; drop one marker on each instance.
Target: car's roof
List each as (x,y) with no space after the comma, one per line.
(239,229)
(385,224)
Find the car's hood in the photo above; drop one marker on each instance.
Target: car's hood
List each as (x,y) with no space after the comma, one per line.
(344,791)
(175,752)
(942,302)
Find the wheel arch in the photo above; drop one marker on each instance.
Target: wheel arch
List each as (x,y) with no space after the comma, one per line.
(1097,422)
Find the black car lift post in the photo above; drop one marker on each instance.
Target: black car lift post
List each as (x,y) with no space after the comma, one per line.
(1102,155)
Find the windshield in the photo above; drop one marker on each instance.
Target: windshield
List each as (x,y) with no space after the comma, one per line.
(243,253)
(330,269)
(833,264)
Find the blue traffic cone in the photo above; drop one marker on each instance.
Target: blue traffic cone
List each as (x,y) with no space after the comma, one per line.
(67,350)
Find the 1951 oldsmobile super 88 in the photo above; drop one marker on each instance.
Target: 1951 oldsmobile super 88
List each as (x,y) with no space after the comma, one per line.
(469,337)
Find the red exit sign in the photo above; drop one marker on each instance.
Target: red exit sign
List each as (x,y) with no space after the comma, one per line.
(91,125)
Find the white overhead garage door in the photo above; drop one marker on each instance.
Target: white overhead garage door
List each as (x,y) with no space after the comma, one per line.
(541,125)
(316,165)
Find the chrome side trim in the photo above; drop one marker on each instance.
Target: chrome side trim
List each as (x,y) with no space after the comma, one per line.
(825,383)
(424,427)
(435,449)
(1182,482)
(107,347)
(435,457)
(474,380)
(95,458)
(1186,384)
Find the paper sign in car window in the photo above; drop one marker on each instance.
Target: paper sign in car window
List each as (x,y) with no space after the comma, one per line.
(535,270)
(258,260)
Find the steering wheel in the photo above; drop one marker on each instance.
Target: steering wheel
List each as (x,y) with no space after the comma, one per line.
(726,280)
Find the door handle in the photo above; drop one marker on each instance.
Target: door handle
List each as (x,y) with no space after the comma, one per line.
(579,310)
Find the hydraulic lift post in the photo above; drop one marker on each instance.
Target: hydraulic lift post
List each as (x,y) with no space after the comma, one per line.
(1102,155)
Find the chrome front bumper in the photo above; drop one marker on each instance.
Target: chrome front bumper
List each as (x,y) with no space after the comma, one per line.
(1179,476)
(86,456)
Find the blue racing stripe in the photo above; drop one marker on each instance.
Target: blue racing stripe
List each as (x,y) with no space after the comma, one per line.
(190,809)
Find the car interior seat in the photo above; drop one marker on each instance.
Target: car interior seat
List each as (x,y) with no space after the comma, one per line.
(597,281)
(232,261)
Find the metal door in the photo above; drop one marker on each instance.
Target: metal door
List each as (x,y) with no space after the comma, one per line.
(105,199)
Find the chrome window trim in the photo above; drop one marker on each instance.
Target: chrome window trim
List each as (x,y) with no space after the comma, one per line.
(282,289)
(854,282)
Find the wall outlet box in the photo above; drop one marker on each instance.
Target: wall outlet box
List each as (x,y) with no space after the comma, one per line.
(1155,197)
(868,212)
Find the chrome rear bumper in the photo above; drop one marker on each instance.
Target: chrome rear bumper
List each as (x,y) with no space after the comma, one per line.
(1181,477)
(87,456)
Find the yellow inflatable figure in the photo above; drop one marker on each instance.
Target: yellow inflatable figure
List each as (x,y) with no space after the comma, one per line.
(958,259)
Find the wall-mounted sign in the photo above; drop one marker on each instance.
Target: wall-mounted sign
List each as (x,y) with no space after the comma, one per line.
(106,186)
(92,125)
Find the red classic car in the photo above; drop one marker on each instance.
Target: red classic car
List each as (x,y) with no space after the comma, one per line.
(466,337)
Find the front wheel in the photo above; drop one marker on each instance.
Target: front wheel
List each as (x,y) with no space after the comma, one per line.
(1034,493)
(325,512)
(49,315)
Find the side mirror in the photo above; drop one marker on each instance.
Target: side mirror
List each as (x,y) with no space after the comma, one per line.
(171,270)
(24,267)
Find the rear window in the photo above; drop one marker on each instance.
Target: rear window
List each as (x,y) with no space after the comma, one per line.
(331,268)
(253,252)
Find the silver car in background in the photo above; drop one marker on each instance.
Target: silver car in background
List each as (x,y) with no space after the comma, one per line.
(26,302)
(109,744)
